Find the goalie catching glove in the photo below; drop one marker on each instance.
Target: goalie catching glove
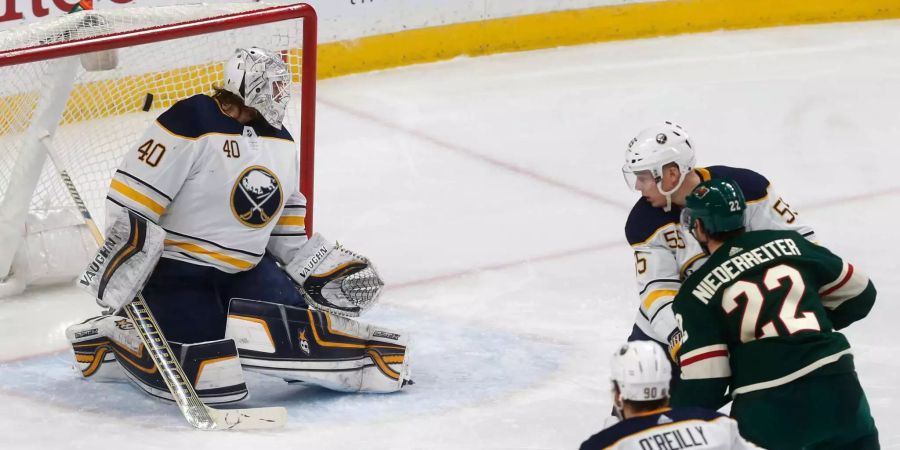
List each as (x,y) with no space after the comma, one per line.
(334,279)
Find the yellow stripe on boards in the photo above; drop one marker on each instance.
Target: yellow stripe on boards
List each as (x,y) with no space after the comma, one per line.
(583,26)
(529,32)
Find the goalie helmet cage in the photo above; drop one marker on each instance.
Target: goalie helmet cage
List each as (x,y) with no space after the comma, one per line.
(91,82)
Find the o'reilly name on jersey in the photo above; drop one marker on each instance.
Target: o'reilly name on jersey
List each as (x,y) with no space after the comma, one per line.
(736,265)
(675,439)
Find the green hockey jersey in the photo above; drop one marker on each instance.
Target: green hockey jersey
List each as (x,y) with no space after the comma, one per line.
(762,312)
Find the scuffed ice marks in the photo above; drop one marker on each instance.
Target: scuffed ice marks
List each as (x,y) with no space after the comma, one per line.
(453,366)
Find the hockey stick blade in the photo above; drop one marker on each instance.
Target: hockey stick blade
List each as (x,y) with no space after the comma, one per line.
(248,419)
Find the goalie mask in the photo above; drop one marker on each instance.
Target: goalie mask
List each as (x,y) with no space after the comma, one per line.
(262,80)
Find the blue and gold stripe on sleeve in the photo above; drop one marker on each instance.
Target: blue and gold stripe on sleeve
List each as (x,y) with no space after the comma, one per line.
(292,222)
(130,192)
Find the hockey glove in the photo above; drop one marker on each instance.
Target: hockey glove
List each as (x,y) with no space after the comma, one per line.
(335,279)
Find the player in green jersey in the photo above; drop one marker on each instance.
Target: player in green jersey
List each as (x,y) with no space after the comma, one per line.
(759,319)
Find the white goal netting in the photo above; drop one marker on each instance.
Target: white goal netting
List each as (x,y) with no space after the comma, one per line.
(93,107)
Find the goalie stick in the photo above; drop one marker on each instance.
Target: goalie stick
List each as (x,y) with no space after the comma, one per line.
(197,414)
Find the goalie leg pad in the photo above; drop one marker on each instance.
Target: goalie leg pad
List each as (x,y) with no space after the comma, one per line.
(315,347)
(92,350)
(99,343)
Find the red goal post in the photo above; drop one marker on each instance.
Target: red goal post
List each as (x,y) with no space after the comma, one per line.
(159,55)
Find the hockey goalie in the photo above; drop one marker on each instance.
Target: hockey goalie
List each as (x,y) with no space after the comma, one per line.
(207,222)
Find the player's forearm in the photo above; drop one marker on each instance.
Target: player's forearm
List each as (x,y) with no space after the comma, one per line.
(853,309)
(849,297)
(706,393)
(289,234)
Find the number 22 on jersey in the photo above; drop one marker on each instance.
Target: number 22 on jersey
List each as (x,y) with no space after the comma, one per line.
(755,299)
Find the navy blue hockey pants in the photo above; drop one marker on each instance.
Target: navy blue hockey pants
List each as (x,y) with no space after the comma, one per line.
(190,301)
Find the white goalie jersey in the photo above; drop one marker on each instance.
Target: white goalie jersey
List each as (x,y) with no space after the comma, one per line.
(665,254)
(224,192)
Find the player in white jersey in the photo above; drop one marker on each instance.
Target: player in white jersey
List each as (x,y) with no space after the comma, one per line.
(217,179)
(661,165)
(640,378)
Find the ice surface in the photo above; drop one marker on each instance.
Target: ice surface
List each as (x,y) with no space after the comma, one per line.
(489,192)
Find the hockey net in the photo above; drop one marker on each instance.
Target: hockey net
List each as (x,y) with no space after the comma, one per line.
(88,84)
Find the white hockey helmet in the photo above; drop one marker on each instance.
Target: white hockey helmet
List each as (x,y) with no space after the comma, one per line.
(262,80)
(641,371)
(654,148)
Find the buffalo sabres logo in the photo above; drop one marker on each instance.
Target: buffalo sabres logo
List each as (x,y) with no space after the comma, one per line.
(304,343)
(256,196)
(124,324)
